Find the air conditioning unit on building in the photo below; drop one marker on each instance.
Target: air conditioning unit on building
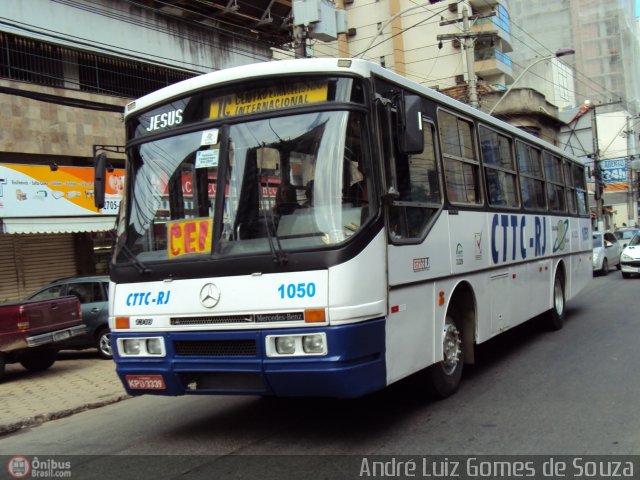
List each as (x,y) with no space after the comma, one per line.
(459,79)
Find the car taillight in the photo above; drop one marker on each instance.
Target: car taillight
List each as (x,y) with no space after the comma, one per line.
(23,320)
(78,310)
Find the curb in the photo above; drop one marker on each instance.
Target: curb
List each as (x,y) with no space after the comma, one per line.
(40,419)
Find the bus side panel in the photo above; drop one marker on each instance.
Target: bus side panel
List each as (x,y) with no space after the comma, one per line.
(411,330)
(580,269)
(413,318)
(357,289)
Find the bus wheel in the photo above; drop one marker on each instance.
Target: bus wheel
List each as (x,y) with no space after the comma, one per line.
(445,376)
(555,316)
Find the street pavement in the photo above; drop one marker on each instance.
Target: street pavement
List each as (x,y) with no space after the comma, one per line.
(77,381)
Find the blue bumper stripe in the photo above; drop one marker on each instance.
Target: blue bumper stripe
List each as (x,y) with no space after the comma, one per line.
(235,362)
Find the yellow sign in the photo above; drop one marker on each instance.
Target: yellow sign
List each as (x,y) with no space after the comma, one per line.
(189,236)
(268,99)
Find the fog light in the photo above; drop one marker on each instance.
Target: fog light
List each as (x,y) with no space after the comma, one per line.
(131,346)
(286,345)
(313,343)
(154,346)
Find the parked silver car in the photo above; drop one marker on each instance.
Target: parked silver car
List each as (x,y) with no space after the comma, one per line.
(606,252)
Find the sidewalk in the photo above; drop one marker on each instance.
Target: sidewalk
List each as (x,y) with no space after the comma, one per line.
(77,381)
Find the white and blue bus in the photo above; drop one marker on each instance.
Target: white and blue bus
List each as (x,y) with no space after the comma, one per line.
(325,227)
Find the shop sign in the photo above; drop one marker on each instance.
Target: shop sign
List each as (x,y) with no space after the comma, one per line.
(39,191)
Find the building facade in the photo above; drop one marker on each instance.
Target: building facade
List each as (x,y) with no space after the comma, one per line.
(403,36)
(605,38)
(67,69)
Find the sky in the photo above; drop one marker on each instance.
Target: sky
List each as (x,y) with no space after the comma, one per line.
(637,8)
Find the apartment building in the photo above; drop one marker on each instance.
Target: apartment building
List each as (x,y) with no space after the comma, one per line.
(402,35)
(606,41)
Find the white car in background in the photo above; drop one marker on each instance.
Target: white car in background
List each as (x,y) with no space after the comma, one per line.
(606,252)
(630,258)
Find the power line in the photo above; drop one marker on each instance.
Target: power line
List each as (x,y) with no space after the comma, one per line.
(548,51)
(405,29)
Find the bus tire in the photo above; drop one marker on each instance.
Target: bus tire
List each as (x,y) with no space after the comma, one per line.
(445,375)
(555,316)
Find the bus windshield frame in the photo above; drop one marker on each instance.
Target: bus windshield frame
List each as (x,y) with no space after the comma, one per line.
(248,180)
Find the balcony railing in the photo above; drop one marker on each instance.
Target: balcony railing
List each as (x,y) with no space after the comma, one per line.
(492,54)
(499,25)
(491,61)
(497,22)
(28,60)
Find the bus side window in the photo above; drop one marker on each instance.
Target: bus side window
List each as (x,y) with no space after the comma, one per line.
(499,168)
(461,165)
(419,191)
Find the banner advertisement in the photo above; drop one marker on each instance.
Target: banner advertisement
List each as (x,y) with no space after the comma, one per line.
(39,191)
(614,173)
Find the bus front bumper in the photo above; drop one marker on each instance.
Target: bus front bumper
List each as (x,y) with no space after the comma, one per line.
(236,363)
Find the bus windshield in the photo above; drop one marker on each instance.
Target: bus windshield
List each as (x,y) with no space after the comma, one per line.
(290,183)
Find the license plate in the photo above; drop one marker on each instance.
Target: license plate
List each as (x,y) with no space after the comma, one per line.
(58,337)
(145,382)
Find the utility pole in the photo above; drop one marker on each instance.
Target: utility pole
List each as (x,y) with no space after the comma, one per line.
(630,180)
(471,68)
(467,39)
(599,181)
(597,192)
(300,41)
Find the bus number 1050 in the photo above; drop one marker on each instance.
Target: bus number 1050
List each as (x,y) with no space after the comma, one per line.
(300,290)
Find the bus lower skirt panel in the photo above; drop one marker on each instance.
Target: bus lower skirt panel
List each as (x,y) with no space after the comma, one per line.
(235,363)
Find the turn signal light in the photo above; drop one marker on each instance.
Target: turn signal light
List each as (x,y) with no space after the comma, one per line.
(122,322)
(314,315)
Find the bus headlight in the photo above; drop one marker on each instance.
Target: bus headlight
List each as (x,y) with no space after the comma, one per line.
(131,346)
(154,346)
(298,345)
(313,343)
(141,347)
(286,345)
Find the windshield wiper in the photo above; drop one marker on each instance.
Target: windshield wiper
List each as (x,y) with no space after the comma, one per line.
(141,267)
(278,253)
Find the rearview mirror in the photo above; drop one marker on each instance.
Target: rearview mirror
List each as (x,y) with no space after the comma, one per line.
(410,136)
(100,168)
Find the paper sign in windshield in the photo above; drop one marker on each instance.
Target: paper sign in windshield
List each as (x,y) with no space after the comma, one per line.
(189,236)
(209,137)
(207,158)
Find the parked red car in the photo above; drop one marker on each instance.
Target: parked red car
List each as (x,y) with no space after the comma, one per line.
(31,331)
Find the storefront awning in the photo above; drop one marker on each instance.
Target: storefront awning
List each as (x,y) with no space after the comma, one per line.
(96,223)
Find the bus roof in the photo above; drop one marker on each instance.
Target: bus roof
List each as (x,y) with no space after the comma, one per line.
(363,68)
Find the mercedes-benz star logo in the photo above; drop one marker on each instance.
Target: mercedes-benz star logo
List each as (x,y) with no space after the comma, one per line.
(209,295)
